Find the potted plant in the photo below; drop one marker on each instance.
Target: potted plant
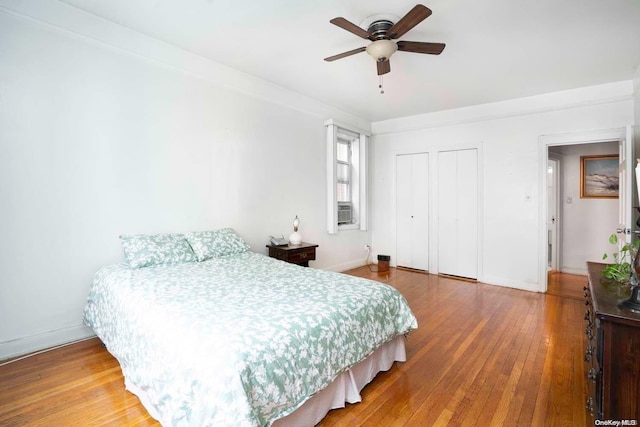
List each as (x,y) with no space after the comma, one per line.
(620,270)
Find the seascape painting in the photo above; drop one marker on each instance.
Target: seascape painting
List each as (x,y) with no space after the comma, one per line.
(599,176)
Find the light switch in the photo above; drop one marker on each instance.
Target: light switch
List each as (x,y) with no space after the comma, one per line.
(569,200)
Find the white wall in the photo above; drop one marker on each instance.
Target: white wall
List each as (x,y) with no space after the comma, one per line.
(508,135)
(586,224)
(97,141)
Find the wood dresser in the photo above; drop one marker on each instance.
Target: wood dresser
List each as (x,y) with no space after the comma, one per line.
(612,357)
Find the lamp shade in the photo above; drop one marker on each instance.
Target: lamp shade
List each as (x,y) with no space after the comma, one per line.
(381,50)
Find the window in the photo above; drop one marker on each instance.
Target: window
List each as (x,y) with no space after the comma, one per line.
(343,170)
(346,178)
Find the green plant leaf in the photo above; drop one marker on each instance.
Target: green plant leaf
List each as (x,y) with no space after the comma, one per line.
(620,269)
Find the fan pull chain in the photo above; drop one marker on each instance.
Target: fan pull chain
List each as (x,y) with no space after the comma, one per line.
(380,86)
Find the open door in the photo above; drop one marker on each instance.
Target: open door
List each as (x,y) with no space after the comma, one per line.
(626,225)
(553,215)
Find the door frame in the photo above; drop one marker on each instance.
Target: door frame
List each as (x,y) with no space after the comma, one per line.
(546,141)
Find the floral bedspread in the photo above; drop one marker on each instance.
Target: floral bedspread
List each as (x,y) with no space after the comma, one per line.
(241,340)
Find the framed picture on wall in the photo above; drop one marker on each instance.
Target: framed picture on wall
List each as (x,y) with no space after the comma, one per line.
(599,176)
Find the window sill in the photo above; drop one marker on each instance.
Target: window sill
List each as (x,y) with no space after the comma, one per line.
(349,227)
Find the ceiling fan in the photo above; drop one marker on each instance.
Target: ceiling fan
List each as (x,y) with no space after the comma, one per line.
(382,32)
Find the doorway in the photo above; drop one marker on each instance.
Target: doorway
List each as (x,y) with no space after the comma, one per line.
(569,236)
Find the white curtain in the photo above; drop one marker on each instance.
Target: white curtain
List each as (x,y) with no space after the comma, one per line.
(332,203)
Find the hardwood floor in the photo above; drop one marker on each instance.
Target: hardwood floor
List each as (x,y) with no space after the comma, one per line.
(566,285)
(482,355)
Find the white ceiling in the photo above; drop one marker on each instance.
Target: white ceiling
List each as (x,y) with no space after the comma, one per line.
(496,49)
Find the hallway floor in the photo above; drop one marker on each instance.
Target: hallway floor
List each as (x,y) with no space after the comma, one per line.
(566,285)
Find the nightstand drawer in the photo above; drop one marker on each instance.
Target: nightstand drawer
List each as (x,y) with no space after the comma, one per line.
(306,254)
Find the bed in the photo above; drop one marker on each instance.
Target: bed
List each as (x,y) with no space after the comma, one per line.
(238,338)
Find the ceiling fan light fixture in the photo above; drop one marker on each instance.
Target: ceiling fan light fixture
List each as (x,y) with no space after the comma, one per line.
(381,50)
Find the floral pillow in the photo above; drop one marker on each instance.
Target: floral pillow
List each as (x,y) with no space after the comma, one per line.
(145,250)
(215,244)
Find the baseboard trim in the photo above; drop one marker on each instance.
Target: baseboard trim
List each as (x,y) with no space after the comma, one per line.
(525,286)
(345,266)
(47,340)
(577,271)
(414,270)
(461,278)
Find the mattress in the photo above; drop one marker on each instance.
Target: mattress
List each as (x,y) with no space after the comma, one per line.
(239,340)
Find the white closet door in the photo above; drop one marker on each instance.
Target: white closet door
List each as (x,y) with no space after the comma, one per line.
(458,213)
(420,230)
(447,213)
(403,211)
(412,213)
(467,180)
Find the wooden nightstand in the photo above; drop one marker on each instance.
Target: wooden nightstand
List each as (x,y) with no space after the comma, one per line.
(300,254)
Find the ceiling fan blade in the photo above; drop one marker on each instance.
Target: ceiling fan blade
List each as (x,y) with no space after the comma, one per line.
(383,67)
(351,27)
(345,54)
(415,16)
(421,47)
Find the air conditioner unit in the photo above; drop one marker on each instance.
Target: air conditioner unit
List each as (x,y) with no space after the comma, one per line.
(345,213)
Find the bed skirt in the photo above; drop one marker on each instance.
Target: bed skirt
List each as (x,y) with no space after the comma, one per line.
(344,389)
